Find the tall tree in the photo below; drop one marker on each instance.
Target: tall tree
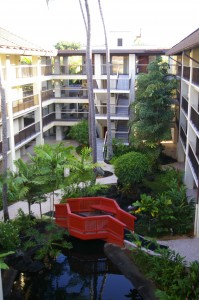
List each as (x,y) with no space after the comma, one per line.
(109,137)
(152,107)
(89,73)
(4,149)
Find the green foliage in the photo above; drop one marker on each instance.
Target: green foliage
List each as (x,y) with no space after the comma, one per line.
(168,271)
(64,45)
(120,149)
(153,113)
(2,256)
(9,236)
(131,168)
(49,240)
(75,191)
(23,222)
(80,133)
(169,211)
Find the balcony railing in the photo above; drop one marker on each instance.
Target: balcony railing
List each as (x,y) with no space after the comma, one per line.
(73,70)
(26,133)
(185,105)
(74,92)
(193,161)
(25,103)
(46,70)
(24,71)
(195,118)
(47,95)
(1,145)
(195,76)
(186,73)
(115,69)
(115,110)
(70,115)
(183,137)
(48,119)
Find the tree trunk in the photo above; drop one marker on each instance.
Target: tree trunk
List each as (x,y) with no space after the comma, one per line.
(4,149)
(89,73)
(109,136)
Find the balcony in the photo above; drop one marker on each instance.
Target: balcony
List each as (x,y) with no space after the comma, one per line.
(73,69)
(194,118)
(24,71)
(74,92)
(195,76)
(48,119)
(193,161)
(69,115)
(185,105)
(186,73)
(1,146)
(183,137)
(46,70)
(26,133)
(47,95)
(115,111)
(25,103)
(115,69)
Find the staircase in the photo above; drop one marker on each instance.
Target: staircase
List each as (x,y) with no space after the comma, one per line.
(122,131)
(122,106)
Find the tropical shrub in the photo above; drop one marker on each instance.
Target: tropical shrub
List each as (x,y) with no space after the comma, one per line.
(169,211)
(9,236)
(131,168)
(80,133)
(173,279)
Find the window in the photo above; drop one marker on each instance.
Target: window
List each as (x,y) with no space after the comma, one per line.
(119,42)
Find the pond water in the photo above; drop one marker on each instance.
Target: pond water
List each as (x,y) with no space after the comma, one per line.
(84,272)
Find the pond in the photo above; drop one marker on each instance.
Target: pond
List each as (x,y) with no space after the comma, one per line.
(84,272)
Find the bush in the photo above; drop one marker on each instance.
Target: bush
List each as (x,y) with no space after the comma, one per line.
(9,236)
(168,211)
(80,133)
(174,280)
(131,168)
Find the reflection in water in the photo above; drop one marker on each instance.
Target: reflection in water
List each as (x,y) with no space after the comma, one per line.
(83,272)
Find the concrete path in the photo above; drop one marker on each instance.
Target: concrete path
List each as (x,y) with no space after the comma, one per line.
(187,248)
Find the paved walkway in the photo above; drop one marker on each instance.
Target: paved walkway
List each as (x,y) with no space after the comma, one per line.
(186,247)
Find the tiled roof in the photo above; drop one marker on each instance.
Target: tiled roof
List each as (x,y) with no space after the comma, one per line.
(189,42)
(8,40)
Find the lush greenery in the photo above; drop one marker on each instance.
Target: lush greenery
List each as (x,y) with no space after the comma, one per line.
(64,45)
(174,281)
(166,210)
(79,132)
(47,171)
(152,107)
(131,168)
(25,232)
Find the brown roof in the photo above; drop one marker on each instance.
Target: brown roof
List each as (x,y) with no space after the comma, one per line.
(189,42)
(10,41)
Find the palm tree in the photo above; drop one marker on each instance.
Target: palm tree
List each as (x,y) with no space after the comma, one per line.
(4,149)
(109,137)
(89,73)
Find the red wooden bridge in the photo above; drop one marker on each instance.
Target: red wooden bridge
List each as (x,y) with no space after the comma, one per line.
(94,218)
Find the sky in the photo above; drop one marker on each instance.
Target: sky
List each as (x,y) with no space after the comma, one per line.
(162,23)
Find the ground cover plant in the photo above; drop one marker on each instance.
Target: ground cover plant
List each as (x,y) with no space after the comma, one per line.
(173,279)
